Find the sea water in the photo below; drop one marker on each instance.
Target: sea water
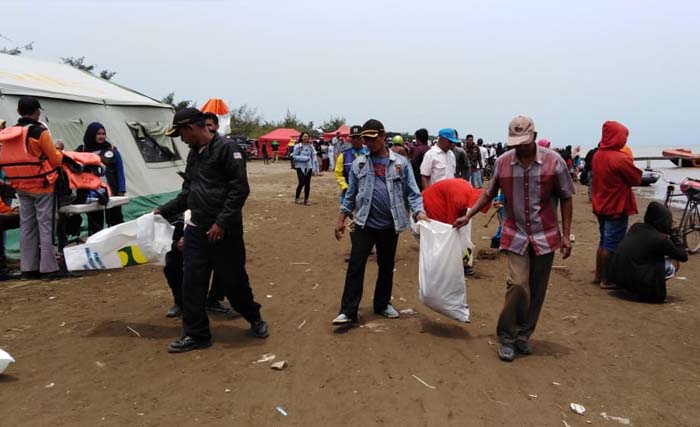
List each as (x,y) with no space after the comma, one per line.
(671,174)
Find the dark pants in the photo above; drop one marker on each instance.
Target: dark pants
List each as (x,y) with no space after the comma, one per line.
(7,222)
(304,179)
(226,257)
(362,242)
(173,271)
(173,274)
(528,275)
(96,219)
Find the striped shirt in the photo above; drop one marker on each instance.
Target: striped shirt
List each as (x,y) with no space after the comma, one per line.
(531,199)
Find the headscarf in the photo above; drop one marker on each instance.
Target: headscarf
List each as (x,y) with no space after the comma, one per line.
(544,143)
(90,138)
(659,217)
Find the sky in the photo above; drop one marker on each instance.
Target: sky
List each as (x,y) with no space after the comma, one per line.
(468,65)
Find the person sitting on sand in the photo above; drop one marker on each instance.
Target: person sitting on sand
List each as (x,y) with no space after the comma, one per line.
(648,256)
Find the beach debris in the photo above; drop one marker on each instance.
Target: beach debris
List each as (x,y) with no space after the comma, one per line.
(565,423)
(374,327)
(681,278)
(402,299)
(272,283)
(62,324)
(560,267)
(485,238)
(490,342)
(134,331)
(394,270)
(268,295)
(621,420)
(5,360)
(555,383)
(228,390)
(534,396)
(307,270)
(408,311)
(100,364)
(300,263)
(281,410)
(52,298)
(267,357)
(423,382)
(301,324)
(49,385)
(315,286)
(279,365)
(579,409)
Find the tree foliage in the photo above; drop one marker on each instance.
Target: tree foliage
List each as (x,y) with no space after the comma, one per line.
(17,50)
(177,105)
(333,123)
(80,64)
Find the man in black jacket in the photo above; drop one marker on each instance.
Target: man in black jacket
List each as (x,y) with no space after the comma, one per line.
(215,190)
(648,255)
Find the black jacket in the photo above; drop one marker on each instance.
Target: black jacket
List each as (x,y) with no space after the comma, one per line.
(638,263)
(215,187)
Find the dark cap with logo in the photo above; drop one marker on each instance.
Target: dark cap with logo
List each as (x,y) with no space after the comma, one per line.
(184,117)
(372,128)
(355,130)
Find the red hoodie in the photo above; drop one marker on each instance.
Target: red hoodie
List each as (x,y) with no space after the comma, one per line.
(614,174)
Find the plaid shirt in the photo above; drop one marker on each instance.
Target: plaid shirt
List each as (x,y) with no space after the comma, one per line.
(531,199)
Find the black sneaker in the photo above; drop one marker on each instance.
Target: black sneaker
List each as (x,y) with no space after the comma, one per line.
(523,347)
(259,329)
(186,344)
(506,352)
(31,275)
(215,306)
(174,311)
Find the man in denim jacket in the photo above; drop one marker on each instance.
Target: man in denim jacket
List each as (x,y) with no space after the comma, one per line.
(380,184)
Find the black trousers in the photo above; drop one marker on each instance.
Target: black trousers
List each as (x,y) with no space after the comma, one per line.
(304,182)
(362,242)
(96,219)
(226,257)
(173,271)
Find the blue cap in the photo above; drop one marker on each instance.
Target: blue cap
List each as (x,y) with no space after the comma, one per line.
(449,134)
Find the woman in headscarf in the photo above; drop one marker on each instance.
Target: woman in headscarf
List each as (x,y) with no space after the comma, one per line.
(95,141)
(306,164)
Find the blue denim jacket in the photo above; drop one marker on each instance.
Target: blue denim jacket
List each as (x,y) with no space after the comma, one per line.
(400,183)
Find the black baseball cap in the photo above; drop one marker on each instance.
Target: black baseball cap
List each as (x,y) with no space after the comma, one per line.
(355,130)
(27,105)
(372,128)
(182,118)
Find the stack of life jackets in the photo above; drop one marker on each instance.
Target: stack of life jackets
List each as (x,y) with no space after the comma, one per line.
(24,171)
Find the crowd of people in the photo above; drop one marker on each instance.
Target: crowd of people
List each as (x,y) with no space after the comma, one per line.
(385,184)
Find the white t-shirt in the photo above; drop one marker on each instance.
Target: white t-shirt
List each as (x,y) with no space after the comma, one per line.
(438,165)
(484,154)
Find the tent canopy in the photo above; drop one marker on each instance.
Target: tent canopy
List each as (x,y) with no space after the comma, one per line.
(216,106)
(343,130)
(282,135)
(24,76)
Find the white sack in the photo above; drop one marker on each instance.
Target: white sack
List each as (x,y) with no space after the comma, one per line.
(440,268)
(5,359)
(144,240)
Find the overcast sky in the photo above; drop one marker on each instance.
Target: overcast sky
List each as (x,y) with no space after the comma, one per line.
(470,65)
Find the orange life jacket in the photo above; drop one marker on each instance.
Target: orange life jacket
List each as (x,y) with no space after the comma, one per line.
(85,171)
(23,170)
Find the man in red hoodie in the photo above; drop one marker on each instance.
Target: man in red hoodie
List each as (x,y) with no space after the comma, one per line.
(614,175)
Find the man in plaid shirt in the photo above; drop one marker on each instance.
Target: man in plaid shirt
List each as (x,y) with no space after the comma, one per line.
(533,180)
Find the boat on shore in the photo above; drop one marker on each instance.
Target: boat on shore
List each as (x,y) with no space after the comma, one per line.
(683,157)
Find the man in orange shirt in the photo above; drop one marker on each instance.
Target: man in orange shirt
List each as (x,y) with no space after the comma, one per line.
(36,196)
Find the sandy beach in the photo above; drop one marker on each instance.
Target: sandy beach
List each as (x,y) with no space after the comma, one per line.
(91,351)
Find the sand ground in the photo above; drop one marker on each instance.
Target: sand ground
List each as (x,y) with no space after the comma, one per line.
(79,365)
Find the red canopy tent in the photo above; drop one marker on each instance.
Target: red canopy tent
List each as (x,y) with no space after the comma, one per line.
(282,136)
(344,133)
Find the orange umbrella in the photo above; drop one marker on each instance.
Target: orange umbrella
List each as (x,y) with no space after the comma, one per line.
(216,106)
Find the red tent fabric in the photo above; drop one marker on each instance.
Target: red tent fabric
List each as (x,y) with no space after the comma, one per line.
(344,133)
(282,135)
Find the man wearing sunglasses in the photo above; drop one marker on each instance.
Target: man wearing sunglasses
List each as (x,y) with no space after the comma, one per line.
(215,190)
(379,187)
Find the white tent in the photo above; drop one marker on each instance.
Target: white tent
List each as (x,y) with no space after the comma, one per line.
(135,124)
